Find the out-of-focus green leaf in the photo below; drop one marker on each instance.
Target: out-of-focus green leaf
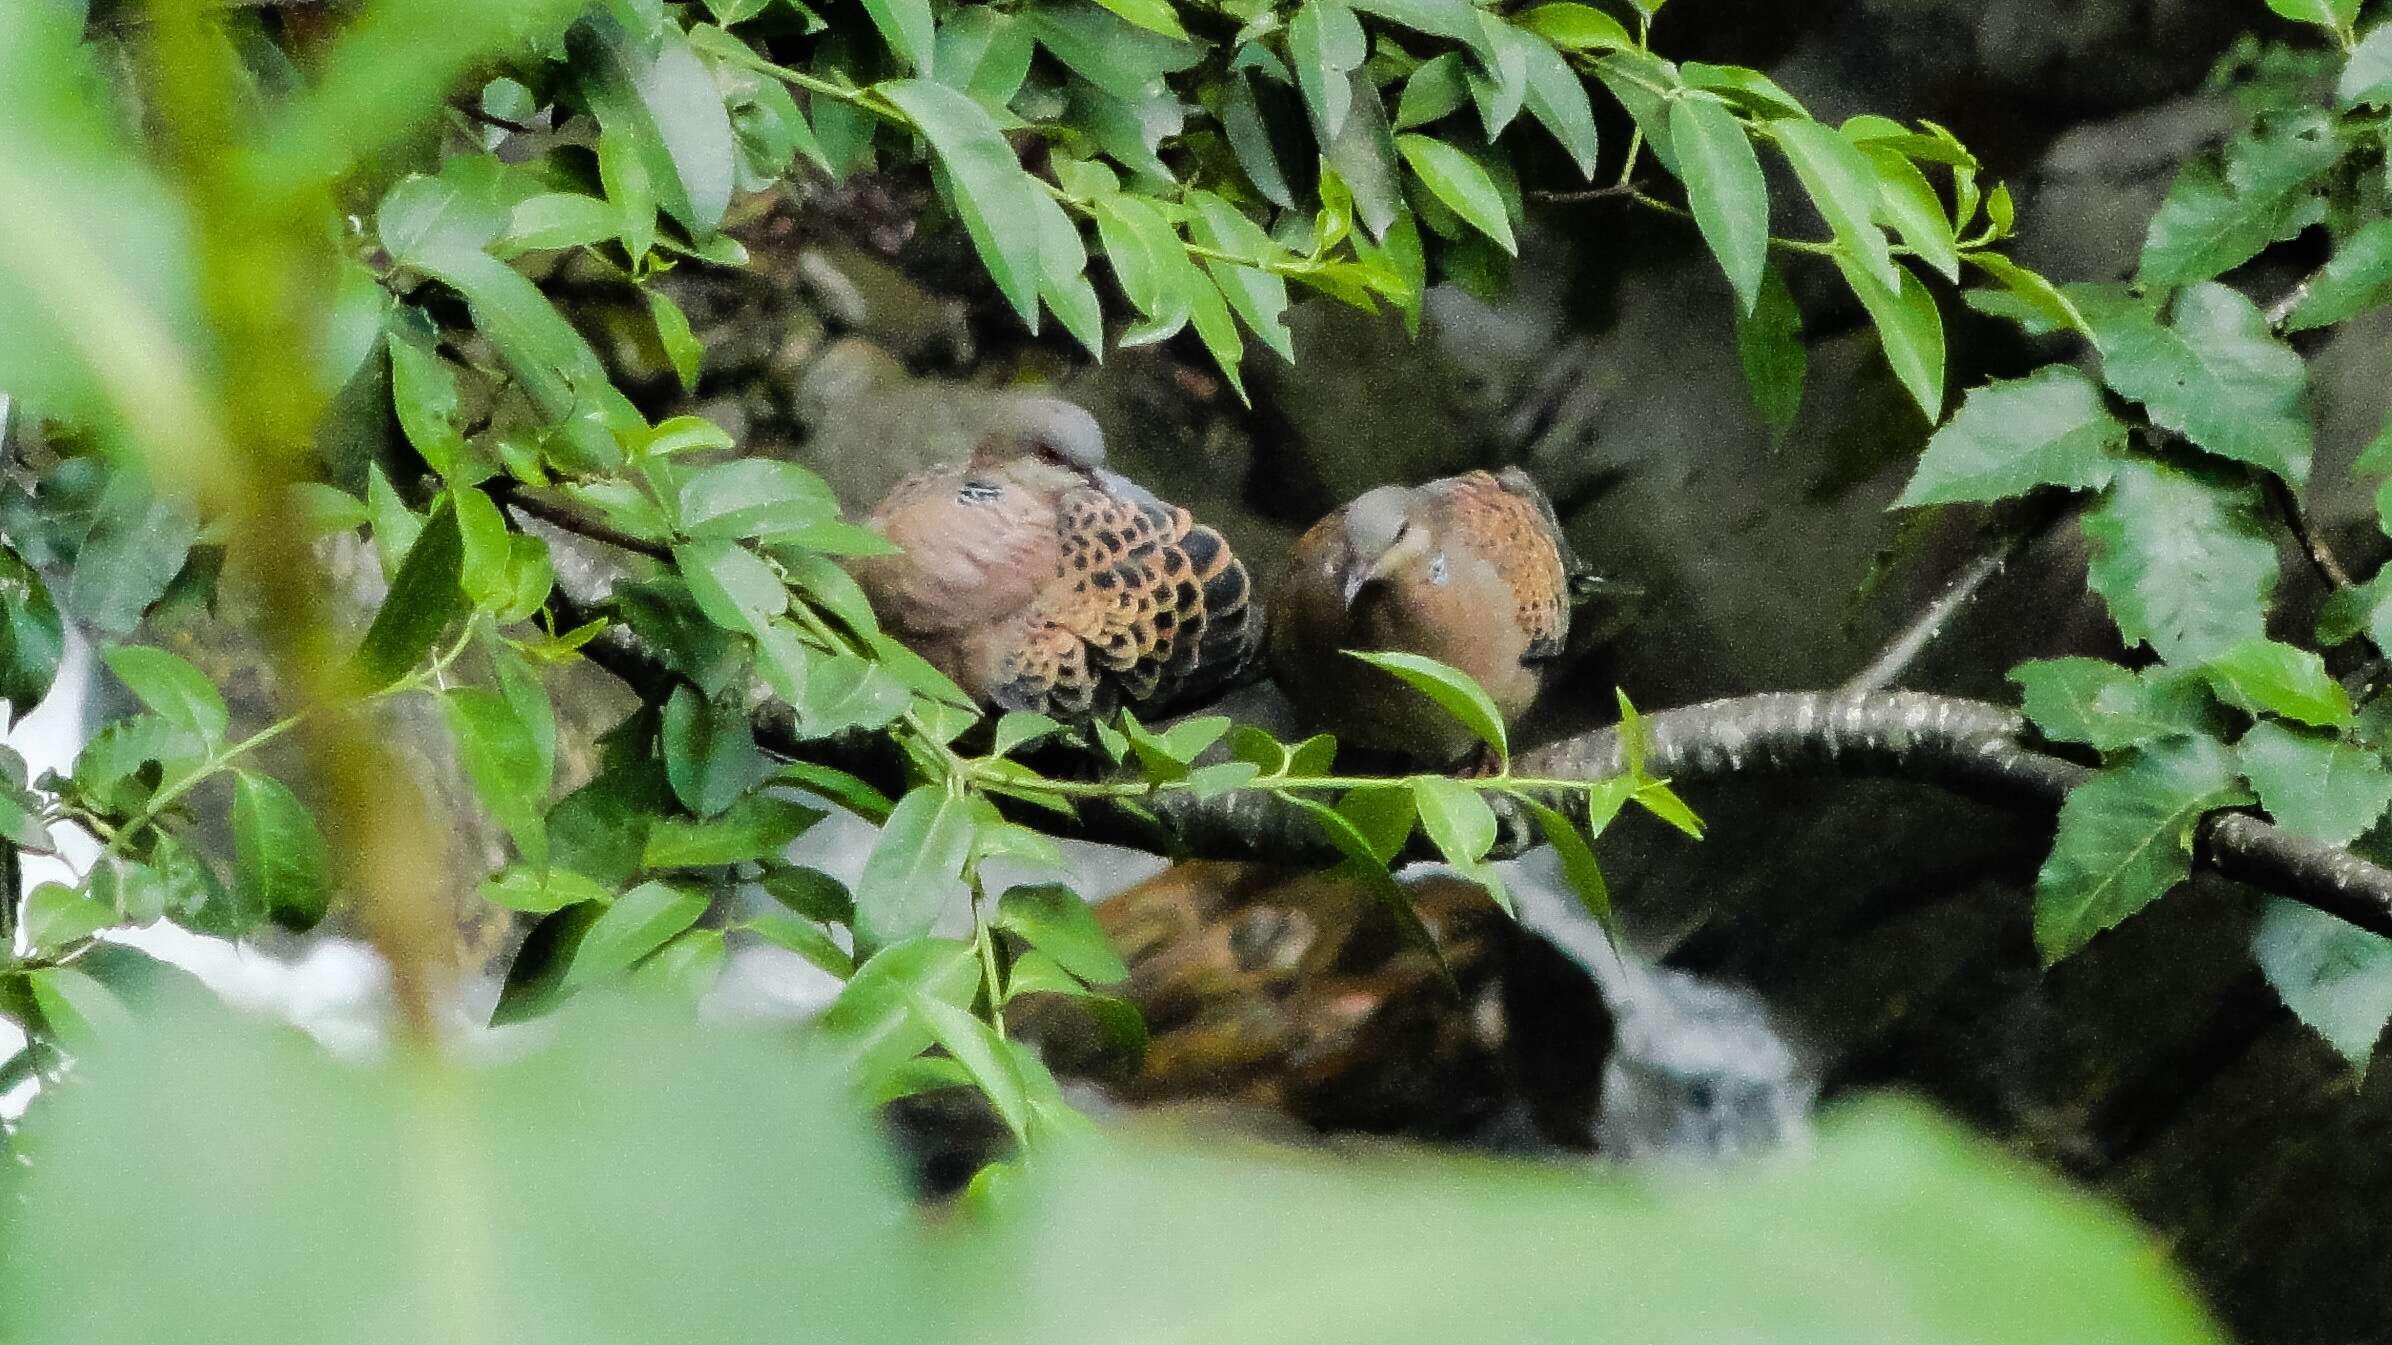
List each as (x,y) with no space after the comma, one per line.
(2366,79)
(1769,343)
(2125,839)
(1896,1230)
(55,915)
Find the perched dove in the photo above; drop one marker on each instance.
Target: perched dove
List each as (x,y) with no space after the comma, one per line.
(1471,571)
(1039,580)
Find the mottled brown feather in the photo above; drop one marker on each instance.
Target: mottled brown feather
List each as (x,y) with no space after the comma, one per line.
(1038,586)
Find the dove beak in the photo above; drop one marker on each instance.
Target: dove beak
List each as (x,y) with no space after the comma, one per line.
(1360,577)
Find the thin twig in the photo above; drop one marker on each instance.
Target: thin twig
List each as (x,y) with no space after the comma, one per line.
(2321,557)
(1906,646)
(562,516)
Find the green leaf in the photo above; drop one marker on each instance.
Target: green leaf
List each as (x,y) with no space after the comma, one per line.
(1059,924)
(554,220)
(983,1054)
(520,887)
(2039,304)
(661,99)
(731,584)
(486,566)
(757,828)
(424,598)
(1122,59)
(871,1027)
(1456,819)
(710,751)
(2125,839)
(1908,202)
(2090,700)
(2314,783)
(1250,140)
(633,926)
(32,636)
(2182,558)
(992,194)
(1499,81)
(2213,221)
(423,391)
(1909,328)
(2334,976)
(1434,90)
(1578,864)
(753,498)
(136,546)
(907,27)
(83,1014)
(1844,187)
(2331,15)
(1453,690)
(1769,344)
(914,871)
(179,693)
(684,969)
(503,759)
(422,215)
(56,915)
(2358,277)
(1457,180)
(804,938)
(1557,98)
(1153,15)
(1724,186)
(2366,78)
(2047,429)
(279,862)
(1575,27)
(623,174)
(2217,376)
(1324,43)
(680,344)
(2263,675)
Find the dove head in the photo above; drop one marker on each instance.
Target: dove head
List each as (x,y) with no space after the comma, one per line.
(1385,538)
(1044,441)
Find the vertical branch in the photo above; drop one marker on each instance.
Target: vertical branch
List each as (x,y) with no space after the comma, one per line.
(265,272)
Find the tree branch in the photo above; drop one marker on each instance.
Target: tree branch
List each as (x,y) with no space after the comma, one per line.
(1973,748)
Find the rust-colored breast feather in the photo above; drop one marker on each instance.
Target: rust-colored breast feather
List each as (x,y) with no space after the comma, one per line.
(1146,608)
(1507,520)
(976,550)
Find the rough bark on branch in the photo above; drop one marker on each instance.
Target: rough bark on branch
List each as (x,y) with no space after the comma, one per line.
(1973,748)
